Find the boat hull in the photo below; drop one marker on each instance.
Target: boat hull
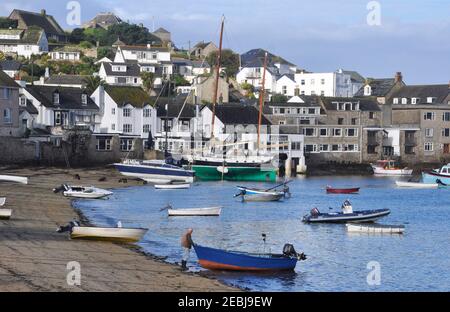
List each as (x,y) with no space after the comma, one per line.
(433,177)
(263,197)
(15,179)
(156,174)
(216,259)
(376,229)
(392,172)
(250,174)
(108,234)
(197,212)
(96,194)
(356,217)
(172,186)
(416,185)
(343,191)
(5,214)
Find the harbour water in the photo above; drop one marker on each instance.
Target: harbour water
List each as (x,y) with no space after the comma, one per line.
(337,261)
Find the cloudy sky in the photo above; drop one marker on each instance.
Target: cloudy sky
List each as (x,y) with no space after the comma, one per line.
(319,35)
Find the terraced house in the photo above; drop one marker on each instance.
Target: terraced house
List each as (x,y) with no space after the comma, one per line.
(421,123)
(9,106)
(32,41)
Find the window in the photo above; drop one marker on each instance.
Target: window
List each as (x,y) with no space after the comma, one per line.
(322,81)
(284,90)
(371,149)
(7,116)
(23,101)
(351,132)
(146,128)
(354,121)
(431,100)
(302,82)
(5,93)
(84,99)
(56,98)
(324,132)
(103,144)
(127,128)
(113,111)
(395,101)
(404,101)
(446,116)
(310,148)
(313,92)
(340,121)
(368,91)
(113,127)
(296,146)
(126,145)
(429,132)
(312,111)
(323,147)
(371,115)
(337,132)
(335,148)
(127,112)
(415,101)
(429,116)
(310,132)
(313,81)
(428,147)
(446,132)
(147,113)
(322,93)
(409,150)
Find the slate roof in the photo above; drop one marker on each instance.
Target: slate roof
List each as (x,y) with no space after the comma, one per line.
(175,105)
(162,31)
(258,54)
(368,104)
(6,81)
(124,95)
(239,114)
(354,76)
(69,98)
(133,70)
(10,65)
(309,101)
(440,92)
(30,108)
(66,80)
(46,22)
(145,47)
(104,20)
(380,87)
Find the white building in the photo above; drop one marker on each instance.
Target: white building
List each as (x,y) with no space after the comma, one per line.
(26,43)
(190,69)
(125,110)
(121,74)
(253,74)
(69,56)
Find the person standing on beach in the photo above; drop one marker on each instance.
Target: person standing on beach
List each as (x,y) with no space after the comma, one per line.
(186,243)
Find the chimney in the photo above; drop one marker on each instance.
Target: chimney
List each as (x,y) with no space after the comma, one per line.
(398,77)
(43,12)
(149,46)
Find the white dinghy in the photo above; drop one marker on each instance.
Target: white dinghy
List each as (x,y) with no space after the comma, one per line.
(417,185)
(376,229)
(117,234)
(194,212)
(2,201)
(173,186)
(5,214)
(87,192)
(15,179)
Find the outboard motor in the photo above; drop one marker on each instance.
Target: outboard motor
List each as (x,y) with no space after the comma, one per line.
(289,251)
(57,190)
(68,227)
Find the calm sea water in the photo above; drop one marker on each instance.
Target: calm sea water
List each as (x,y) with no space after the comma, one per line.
(419,260)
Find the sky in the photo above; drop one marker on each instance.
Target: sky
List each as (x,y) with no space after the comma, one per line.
(411,36)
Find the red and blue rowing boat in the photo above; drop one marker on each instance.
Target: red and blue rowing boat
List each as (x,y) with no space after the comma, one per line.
(331,190)
(216,259)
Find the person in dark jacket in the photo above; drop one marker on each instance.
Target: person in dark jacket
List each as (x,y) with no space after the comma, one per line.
(187,244)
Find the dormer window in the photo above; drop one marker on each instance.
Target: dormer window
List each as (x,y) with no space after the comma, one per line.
(404,101)
(84,99)
(395,101)
(23,101)
(431,100)
(367,90)
(415,101)
(56,98)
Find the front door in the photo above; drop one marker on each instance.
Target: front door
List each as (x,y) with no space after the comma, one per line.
(446,148)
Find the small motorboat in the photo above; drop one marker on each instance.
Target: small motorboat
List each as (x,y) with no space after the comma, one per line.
(346,216)
(216,259)
(2,201)
(263,197)
(5,214)
(417,185)
(87,192)
(440,176)
(331,190)
(390,168)
(376,229)
(15,179)
(256,191)
(173,186)
(195,212)
(117,234)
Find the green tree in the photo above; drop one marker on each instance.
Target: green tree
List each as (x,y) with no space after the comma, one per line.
(180,81)
(2,56)
(148,80)
(93,82)
(77,36)
(230,61)
(105,52)
(279,98)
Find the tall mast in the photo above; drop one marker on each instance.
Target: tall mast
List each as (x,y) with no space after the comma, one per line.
(262,95)
(216,90)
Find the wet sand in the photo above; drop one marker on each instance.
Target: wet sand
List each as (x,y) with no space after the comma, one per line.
(33,257)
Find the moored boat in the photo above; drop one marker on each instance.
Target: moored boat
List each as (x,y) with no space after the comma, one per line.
(390,168)
(15,179)
(155,171)
(5,214)
(2,201)
(346,216)
(87,192)
(376,229)
(216,259)
(195,212)
(173,186)
(331,190)
(263,197)
(440,176)
(416,184)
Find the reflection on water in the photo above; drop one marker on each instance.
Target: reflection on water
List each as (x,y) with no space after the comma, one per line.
(337,260)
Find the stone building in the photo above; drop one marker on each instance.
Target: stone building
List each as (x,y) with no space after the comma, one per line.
(9,106)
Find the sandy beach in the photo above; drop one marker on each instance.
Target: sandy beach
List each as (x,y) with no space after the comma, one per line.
(33,257)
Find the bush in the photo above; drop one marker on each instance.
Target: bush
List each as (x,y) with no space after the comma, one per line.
(85,45)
